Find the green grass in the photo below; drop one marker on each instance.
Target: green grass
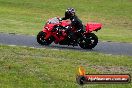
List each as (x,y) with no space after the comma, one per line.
(50,68)
(29,16)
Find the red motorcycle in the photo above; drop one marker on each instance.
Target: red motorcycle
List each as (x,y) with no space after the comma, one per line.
(54,31)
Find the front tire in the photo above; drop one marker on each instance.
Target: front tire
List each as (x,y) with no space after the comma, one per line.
(89,41)
(40,39)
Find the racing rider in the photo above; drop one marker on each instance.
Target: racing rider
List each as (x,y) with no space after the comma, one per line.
(75,23)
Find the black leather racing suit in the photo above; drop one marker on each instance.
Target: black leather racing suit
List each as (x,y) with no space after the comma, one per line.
(77,24)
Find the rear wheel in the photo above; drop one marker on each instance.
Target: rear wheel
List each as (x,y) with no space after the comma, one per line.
(40,39)
(89,41)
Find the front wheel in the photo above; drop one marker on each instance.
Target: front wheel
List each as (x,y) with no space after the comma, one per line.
(40,39)
(89,41)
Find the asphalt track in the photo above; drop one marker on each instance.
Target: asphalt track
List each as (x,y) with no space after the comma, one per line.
(102,47)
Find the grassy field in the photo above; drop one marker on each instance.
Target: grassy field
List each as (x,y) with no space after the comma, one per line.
(29,16)
(45,68)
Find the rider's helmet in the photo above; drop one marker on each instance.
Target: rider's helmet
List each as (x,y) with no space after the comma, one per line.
(69,13)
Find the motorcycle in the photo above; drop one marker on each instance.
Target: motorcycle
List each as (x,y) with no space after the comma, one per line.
(55,31)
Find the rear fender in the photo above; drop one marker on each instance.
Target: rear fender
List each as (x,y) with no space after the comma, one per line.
(93,27)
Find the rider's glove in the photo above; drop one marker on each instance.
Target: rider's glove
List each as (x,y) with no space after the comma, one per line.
(79,30)
(60,19)
(68,28)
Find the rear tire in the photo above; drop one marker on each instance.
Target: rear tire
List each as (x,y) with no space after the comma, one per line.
(40,39)
(89,41)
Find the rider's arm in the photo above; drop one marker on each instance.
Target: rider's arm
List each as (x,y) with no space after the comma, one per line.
(63,18)
(75,22)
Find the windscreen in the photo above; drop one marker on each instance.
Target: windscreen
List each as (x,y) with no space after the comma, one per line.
(54,20)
